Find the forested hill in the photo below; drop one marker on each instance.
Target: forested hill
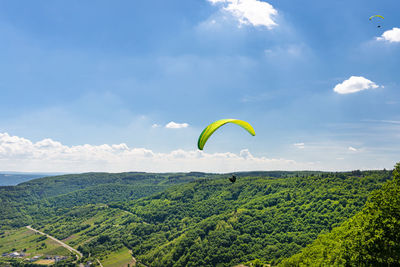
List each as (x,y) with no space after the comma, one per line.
(20,204)
(370,238)
(209,221)
(105,185)
(49,195)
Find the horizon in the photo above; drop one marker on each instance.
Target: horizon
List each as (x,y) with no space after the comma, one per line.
(49,174)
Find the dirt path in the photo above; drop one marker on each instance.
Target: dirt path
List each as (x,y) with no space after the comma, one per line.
(135,262)
(101,265)
(58,241)
(134,259)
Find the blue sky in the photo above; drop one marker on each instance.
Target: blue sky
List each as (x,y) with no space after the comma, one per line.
(92,86)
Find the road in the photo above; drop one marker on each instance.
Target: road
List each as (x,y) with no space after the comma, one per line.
(58,241)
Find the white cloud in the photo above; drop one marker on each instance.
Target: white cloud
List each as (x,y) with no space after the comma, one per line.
(352,149)
(155,125)
(20,154)
(392,36)
(354,84)
(250,12)
(290,50)
(384,121)
(174,125)
(299,145)
(390,121)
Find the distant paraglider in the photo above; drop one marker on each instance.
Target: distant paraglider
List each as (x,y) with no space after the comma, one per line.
(210,129)
(232,179)
(379,16)
(376,16)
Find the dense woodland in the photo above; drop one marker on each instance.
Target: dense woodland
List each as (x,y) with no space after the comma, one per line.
(198,219)
(370,238)
(30,201)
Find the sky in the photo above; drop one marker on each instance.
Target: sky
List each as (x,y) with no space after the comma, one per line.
(129,85)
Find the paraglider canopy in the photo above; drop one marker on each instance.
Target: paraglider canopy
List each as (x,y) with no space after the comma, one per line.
(376,16)
(210,129)
(379,16)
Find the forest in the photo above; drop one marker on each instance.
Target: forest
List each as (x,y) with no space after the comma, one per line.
(200,219)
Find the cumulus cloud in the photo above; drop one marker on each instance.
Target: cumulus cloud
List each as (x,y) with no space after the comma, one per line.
(20,154)
(174,125)
(299,145)
(155,125)
(353,149)
(354,84)
(250,12)
(392,36)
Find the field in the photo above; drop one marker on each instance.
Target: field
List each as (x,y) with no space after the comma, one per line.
(91,219)
(119,258)
(45,262)
(30,243)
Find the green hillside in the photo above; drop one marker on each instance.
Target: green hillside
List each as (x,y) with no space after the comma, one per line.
(370,238)
(23,204)
(55,195)
(189,219)
(210,222)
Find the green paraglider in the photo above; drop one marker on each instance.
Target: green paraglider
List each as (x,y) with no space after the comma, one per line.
(379,16)
(210,129)
(376,16)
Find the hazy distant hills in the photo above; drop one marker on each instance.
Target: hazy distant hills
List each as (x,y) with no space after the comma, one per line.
(8,178)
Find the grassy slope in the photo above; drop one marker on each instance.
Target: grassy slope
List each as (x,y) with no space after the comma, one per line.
(120,258)
(34,244)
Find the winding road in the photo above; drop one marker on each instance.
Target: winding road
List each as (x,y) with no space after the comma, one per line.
(58,241)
